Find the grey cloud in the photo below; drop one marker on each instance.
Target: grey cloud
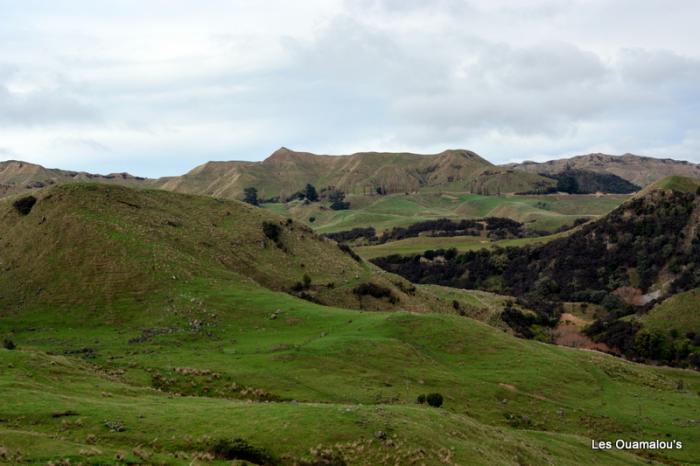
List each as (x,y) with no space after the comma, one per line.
(43,107)
(89,145)
(658,67)
(409,74)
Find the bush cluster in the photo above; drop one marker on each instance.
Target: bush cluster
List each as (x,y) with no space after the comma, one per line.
(620,250)
(8,344)
(239,449)
(433,399)
(376,291)
(24,205)
(272,231)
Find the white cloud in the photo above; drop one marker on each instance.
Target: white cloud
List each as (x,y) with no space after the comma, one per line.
(156,87)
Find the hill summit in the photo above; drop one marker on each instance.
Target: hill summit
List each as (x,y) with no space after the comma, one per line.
(286,171)
(96,245)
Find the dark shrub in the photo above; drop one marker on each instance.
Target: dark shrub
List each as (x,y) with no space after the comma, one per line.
(376,291)
(369,233)
(24,205)
(434,399)
(337,199)
(250,195)
(421,398)
(611,302)
(450,254)
(310,193)
(307,281)
(348,250)
(518,321)
(8,344)
(239,449)
(312,219)
(272,231)
(694,360)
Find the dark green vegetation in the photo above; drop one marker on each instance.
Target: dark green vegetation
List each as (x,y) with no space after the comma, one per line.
(154,327)
(490,227)
(250,196)
(586,182)
(644,251)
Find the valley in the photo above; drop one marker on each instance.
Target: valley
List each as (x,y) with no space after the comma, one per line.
(146,326)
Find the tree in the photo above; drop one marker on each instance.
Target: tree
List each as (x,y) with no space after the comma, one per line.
(337,199)
(310,193)
(250,195)
(272,231)
(567,184)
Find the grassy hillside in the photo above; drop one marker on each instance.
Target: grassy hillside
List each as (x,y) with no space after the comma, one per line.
(679,314)
(385,212)
(125,245)
(151,325)
(421,244)
(682,184)
(335,378)
(286,172)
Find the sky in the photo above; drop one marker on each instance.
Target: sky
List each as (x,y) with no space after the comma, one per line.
(156,87)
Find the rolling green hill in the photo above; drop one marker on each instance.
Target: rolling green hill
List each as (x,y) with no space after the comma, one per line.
(540,213)
(150,327)
(679,314)
(125,245)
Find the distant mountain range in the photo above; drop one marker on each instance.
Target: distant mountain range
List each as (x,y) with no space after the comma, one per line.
(636,169)
(285,172)
(17,176)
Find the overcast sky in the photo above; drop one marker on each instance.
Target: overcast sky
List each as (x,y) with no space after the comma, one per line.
(155,87)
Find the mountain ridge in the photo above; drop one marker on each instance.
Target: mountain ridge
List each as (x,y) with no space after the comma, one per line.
(17,176)
(285,172)
(638,169)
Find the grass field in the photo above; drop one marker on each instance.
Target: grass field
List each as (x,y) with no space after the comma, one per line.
(461,243)
(151,325)
(337,377)
(680,312)
(384,212)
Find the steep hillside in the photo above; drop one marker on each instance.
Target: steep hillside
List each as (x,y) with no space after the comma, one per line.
(286,172)
(17,177)
(96,245)
(636,169)
(645,250)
